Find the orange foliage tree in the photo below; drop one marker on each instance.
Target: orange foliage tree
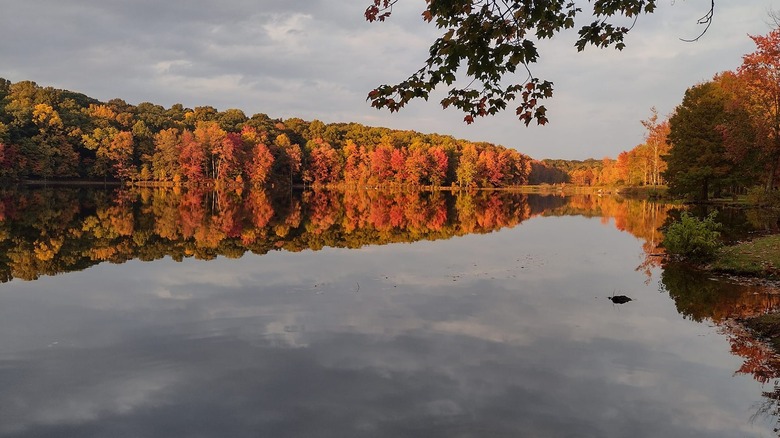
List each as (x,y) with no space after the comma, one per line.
(656,141)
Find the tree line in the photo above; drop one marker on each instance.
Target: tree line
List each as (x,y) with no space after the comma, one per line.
(46,134)
(725,135)
(722,139)
(643,165)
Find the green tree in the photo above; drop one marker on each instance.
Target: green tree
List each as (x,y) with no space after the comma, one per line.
(165,159)
(467,165)
(697,162)
(200,114)
(55,155)
(99,141)
(143,149)
(5,87)
(153,116)
(176,115)
(232,120)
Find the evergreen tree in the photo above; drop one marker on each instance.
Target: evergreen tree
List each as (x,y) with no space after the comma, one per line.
(697,162)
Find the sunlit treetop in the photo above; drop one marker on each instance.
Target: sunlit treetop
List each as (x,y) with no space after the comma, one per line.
(492,40)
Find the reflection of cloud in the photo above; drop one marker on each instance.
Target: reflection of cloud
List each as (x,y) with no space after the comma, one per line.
(389,384)
(91,393)
(640,378)
(116,397)
(195,274)
(167,294)
(287,331)
(481,331)
(256,350)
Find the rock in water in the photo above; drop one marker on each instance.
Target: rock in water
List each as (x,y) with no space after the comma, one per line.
(619,299)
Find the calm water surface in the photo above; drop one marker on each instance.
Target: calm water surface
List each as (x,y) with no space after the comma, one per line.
(508,332)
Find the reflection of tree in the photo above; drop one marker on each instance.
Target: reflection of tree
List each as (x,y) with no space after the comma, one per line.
(761,361)
(45,232)
(641,218)
(764,219)
(770,406)
(699,297)
(50,231)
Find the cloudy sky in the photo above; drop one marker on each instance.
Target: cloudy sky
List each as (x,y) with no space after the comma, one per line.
(318,59)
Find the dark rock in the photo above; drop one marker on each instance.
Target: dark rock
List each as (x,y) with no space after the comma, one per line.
(619,299)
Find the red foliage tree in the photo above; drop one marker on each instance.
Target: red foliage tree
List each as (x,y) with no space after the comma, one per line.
(228,156)
(491,165)
(760,71)
(324,164)
(381,171)
(12,163)
(439,163)
(398,164)
(354,167)
(417,167)
(258,167)
(120,154)
(622,167)
(210,137)
(193,158)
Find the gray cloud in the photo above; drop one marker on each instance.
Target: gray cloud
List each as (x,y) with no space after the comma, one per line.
(319,60)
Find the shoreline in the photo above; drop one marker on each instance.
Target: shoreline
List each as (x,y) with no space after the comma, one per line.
(753,263)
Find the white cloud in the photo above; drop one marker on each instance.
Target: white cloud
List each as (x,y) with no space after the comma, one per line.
(288,31)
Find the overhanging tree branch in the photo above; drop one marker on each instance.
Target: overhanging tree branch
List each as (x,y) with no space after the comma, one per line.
(706,20)
(487,40)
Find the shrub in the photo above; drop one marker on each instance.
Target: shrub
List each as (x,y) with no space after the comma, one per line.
(759,196)
(693,238)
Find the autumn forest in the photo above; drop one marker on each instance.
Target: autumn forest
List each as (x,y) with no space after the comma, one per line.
(54,134)
(160,260)
(722,139)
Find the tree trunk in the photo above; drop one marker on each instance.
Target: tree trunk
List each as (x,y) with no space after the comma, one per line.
(770,181)
(705,190)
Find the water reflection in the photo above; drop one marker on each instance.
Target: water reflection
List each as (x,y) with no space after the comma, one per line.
(504,331)
(48,231)
(705,298)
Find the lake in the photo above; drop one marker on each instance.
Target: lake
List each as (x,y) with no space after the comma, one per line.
(174,313)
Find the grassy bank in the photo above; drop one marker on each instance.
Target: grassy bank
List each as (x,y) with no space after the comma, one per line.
(643,192)
(760,259)
(757,258)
